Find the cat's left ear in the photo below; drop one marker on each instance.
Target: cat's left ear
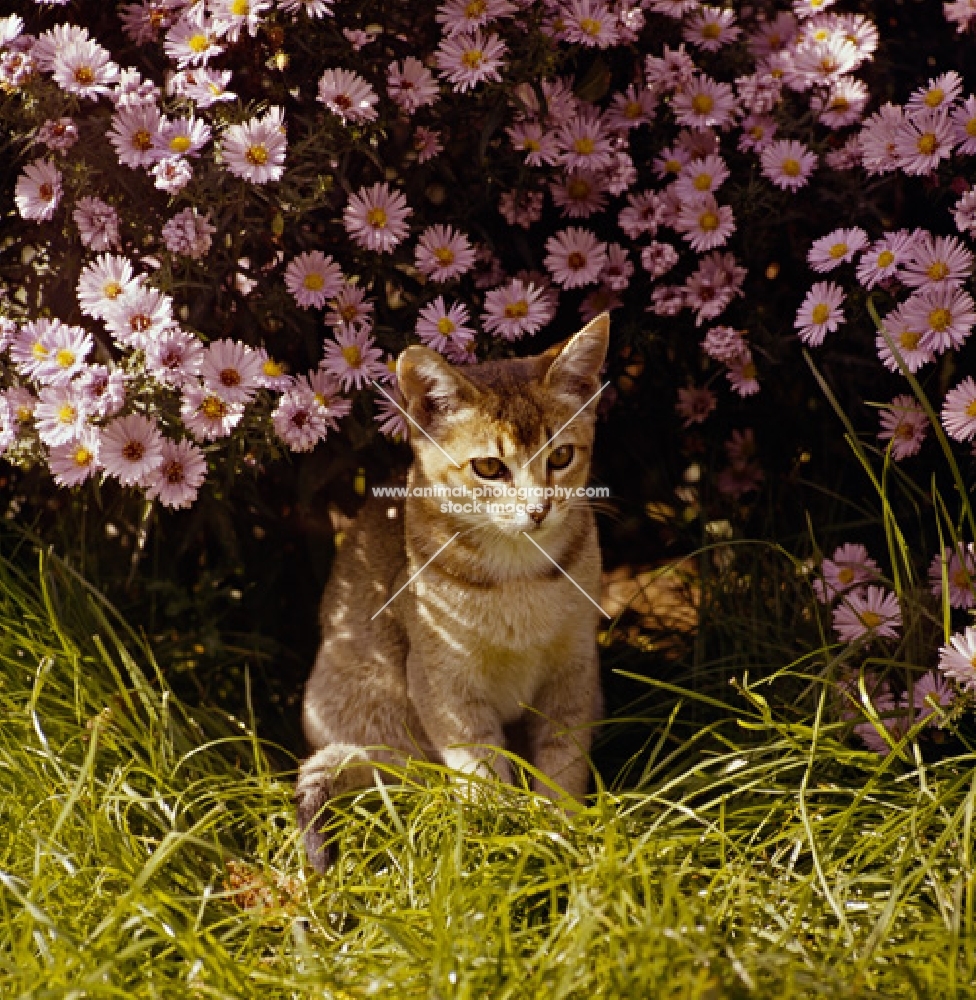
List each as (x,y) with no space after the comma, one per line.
(575,369)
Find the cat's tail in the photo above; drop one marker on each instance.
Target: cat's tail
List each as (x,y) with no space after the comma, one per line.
(331,771)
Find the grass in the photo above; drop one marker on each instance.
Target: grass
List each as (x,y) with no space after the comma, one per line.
(149,850)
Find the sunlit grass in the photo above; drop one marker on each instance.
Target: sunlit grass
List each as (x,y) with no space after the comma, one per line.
(150,851)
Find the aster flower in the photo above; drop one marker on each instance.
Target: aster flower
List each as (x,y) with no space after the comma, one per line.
(206,416)
(959,410)
(757,133)
(820,313)
(66,348)
(59,415)
(714,284)
(171,174)
(274,374)
(142,22)
(230,370)
(97,222)
(102,390)
(642,214)
(182,136)
(709,28)
(353,359)
(873,613)
(410,85)
(347,95)
(515,309)
(177,479)
(725,344)
(536,142)
(905,425)
(204,86)
(935,261)
(103,282)
(963,120)
(905,332)
(313,279)
(743,375)
(328,393)
(820,62)
(700,176)
(74,461)
(658,258)
(892,718)
(940,92)
(131,90)
(131,448)
(575,257)
(964,212)
(426,143)
(459,16)
(879,139)
(843,104)
(139,315)
(389,417)
(959,568)
(618,270)
(188,233)
(633,107)
(443,253)
(957,659)
(351,310)
(193,40)
(31,345)
(134,134)
(299,420)
(583,142)
(58,135)
(54,41)
(694,405)
(704,103)
(38,191)
(231,17)
(579,194)
(788,164)
(848,568)
(836,248)
(944,314)
(929,694)
(470,59)
(375,217)
(884,257)
(438,326)
(923,141)
(255,150)
(84,68)
(589,23)
(705,224)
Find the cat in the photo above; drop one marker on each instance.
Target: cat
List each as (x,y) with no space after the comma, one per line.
(484,617)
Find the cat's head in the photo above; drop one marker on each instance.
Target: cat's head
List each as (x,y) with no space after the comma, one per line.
(522,428)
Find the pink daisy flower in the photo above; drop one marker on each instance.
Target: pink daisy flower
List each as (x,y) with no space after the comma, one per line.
(138,316)
(410,85)
(350,310)
(299,420)
(443,253)
(97,222)
(694,405)
(633,107)
(788,164)
(439,326)
(923,141)
(725,344)
(959,567)
(905,332)
(231,17)
(704,103)
(879,139)
(516,309)
(964,212)
(884,257)
(642,214)
(103,282)
(704,224)
(206,416)
(60,415)
(536,142)
(905,425)
(231,370)
(872,614)
(939,92)
(575,257)
(701,176)
(658,258)
(176,481)
(135,133)
(172,174)
(469,59)
(84,68)
(460,16)
(836,248)
(375,217)
(74,461)
(843,104)
(579,194)
(256,149)
(67,348)
(426,143)
(709,28)
(963,119)
(589,23)
(38,191)
(929,694)
(188,233)
(313,279)
(743,375)
(193,40)
(131,448)
(347,95)
(584,143)
(944,314)
(757,133)
(959,410)
(353,358)
(389,416)
(182,136)
(936,260)
(957,659)
(820,313)
(102,390)
(327,391)
(58,135)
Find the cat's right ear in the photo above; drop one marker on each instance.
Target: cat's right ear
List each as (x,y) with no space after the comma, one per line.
(430,385)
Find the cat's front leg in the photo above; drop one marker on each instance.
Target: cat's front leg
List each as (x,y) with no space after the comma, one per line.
(458,719)
(560,726)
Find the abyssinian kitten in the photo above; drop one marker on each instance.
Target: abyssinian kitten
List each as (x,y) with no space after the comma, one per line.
(490,630)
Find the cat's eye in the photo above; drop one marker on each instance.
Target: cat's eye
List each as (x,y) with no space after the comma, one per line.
(560,457)
(489,468)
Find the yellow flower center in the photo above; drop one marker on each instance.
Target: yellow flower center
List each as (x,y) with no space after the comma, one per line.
(886,258)
(256,155)
(584,145)
(198,43)
(517,310)
(39,350)
(590,26)
(141,140)
(444,256)
(939,319)
(633,109)
(938,271)
(67,413)
(749,371)
(475,8)
(272,368)
(83,456)
(971,409)
(213,408)
(845,575)
(65,358)
(838,250)
(445,326)
(353,356)
(85,75)
(111,289)
(934,97)
(927,143)
(472,59)
(791,167)
(971,128)
(348,313)
(702,104)
(179,143)
(711,30)
(870,619)
(133,451)
(313,281)
(377,217)
(578,189)
(839,103)
(820,313)
(241,8)
(322,399)
(531,145)
(708,221)
(909,339)
(24,413)
(757,131)
(703,182)
(672,166)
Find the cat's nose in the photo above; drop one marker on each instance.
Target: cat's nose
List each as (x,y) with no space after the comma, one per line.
(539,512)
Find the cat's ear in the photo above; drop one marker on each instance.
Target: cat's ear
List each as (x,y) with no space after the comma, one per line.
(575,369)
(430,385)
